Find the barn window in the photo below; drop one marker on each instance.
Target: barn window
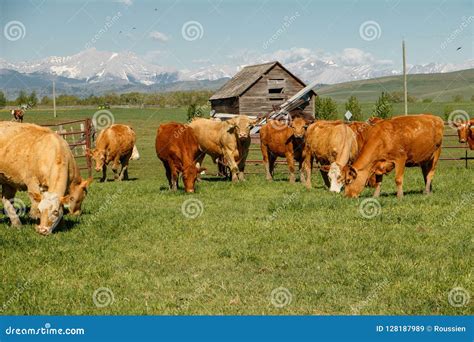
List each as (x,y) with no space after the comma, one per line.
(276,85)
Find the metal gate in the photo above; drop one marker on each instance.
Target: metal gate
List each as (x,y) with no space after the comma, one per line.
(79,134)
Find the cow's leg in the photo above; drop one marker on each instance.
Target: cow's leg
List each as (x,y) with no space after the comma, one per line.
(378,185)
(8,194)
(399,171)
(198,161)
(234,169)
(301,171)
(124,172)
(266,162)
(168,173)
(104,173)
(174,177)
(428,169)
(241,170)
(115,168)
(290,160)
(307,166)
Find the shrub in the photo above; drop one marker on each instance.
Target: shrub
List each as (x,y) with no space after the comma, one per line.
(353,106)
(383,107)
(325,108)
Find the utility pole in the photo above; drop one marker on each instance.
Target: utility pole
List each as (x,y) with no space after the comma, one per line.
(405,90)
(54,99)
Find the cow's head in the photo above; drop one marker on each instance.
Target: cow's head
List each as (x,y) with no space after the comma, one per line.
(354,181)
(99,158)
(298,127)
(51,211)
(189,177)
(77,193)
(241,126)
(465,129)
(334,174)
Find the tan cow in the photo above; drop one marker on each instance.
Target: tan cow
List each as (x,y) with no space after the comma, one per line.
(37,160)
(225,140)
(333,144)
(277,139)
(466,132)
(412,140)
(115,144)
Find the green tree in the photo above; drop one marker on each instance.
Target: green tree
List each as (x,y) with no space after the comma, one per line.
(3,100)
(427,100)
(46,101)
(447,110)
(22,98)
(194,111)
(353,106)
(458,98)
(33,99)
(472,98)
(325,108)
(383,107)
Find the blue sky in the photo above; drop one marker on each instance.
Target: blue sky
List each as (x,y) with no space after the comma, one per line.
(232,30)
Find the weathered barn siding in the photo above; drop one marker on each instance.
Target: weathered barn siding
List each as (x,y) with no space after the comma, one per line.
(230,105)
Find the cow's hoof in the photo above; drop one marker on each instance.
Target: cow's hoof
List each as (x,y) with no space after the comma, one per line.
(102,180)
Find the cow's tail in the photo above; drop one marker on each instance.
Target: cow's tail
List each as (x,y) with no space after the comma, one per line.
(135,153)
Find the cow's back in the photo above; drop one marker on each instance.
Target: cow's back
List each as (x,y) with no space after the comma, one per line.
(275,136)
(177,143)
(116,139)
(210,134)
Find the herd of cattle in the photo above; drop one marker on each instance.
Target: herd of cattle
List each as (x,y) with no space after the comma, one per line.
(351,155)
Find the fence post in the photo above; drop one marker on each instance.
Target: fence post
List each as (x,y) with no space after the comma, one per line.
(465,155)
(88,146)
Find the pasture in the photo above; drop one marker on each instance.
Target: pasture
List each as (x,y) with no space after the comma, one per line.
(249,239)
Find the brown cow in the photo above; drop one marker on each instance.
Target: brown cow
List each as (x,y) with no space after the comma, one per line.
(114,144)
(413,140)
(178,149)
(278,139)
(228,141)
(466,132)
(18,115)
(35,159)
(334,145)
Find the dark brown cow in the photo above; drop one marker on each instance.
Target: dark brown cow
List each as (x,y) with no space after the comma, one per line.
(412,140)
(177,147)
(277,139)
(18,115)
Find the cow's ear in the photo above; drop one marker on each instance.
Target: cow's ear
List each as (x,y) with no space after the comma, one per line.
(89,152)
(352,172)
(35,196)
(86,182)
(64,199)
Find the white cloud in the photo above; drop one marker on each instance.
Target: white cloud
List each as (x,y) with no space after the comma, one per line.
(159,36)
(126,2)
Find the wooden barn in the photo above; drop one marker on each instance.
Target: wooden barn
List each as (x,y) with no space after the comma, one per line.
(257,89)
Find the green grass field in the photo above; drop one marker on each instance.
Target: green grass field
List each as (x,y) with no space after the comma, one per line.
(251,239)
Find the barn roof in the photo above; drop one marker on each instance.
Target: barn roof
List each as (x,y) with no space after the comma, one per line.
(246,78)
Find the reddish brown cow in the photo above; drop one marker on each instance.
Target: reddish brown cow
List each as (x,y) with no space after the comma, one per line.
(177,147)
(466,132)
(17,115)
(412,140)
(278,139)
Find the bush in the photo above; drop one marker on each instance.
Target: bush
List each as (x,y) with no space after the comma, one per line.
(447,111)
(353,106)
(458,98)
(383,107)
(3,100)
(194,111)
(22,98)
(427,100)
(325,108)
(472,98)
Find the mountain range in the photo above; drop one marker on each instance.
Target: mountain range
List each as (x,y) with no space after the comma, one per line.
(95,72)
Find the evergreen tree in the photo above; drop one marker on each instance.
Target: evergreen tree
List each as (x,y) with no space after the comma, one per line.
(353,106)
(383,107)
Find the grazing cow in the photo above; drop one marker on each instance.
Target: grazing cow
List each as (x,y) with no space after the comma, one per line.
(178,149)
(228,141)
(114,144)
(466,132)
(412,140)
(334,145)
(17,115)
(37,160)
(278,139)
